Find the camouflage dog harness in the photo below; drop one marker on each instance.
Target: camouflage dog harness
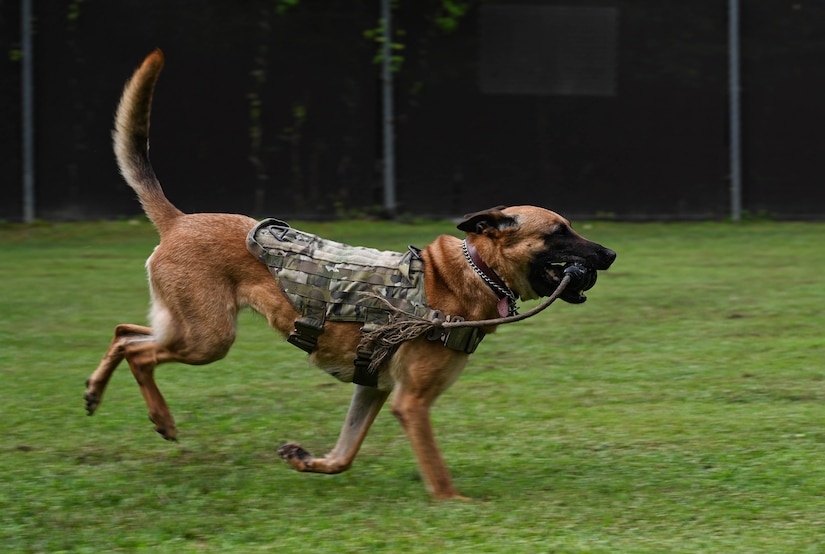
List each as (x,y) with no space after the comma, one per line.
(330,281)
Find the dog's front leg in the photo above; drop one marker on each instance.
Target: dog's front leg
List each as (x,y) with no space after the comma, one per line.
(414,414)
(365,405)
(419,384)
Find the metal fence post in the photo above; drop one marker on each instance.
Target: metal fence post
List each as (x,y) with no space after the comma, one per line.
(735,116)
(387,104)
(27,91)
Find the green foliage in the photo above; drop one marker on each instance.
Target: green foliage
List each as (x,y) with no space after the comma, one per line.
(255,113)
(343,212)
(299,112)
(299,117)
(762,215)
(447,18)
(681,409)
(283,6)
(377,35)
(74,10)
(450,14)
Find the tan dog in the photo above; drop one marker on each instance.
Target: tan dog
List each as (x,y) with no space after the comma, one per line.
(196,295)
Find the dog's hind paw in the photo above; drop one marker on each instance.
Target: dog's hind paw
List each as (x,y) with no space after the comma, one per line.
(296,456)
(92,401)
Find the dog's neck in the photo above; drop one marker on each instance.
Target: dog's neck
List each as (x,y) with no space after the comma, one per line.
(506,297)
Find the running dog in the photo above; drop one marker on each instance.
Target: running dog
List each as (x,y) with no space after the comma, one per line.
(196,294)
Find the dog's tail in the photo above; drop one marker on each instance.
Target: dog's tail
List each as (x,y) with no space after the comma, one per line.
(131,142)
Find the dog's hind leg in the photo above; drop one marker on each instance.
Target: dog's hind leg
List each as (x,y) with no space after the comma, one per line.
(364,407)
(143,359)
(125,335)
(144,349)
(137,344)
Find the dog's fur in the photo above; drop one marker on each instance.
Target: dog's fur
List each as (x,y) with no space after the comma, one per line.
(197,292)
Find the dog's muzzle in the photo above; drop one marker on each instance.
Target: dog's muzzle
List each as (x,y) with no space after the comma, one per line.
(581,279)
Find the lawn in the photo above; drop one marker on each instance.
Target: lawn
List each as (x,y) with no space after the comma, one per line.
(681,409)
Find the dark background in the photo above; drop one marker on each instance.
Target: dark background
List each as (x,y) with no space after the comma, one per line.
(618,111)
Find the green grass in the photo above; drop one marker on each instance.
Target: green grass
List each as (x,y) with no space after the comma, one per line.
(681,409)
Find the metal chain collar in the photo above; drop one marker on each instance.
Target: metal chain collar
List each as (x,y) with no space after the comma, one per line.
(500,290)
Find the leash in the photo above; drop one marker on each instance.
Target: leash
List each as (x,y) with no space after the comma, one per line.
(513,318)
(384,341)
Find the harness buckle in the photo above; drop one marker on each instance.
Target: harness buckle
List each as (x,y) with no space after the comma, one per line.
(362,374)
(306,333)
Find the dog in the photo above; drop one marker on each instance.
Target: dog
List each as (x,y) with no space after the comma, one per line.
(196,294)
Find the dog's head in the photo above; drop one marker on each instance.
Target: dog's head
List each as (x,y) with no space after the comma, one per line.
(530,247)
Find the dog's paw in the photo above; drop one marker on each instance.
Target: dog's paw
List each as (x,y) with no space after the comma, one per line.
(167,431)
(92,399)
(296,456)
(170,435)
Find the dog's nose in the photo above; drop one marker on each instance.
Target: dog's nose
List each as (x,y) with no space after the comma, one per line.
(608,257)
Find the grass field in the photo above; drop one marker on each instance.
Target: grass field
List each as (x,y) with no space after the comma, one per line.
(681,409)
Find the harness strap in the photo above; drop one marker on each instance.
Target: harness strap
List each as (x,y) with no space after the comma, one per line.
(464,339)
(309,327)
(362,374)
(306,333)
(363,358)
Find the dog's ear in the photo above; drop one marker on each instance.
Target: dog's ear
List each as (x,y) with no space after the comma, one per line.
(479,222)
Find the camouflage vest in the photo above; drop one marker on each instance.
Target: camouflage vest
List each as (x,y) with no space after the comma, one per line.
(330,281)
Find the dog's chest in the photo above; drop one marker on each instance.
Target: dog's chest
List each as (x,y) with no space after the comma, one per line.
(330,281)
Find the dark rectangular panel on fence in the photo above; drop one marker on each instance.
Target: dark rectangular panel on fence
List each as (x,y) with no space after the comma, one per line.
(547,50)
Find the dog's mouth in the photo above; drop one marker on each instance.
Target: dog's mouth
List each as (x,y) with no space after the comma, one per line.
(582,278)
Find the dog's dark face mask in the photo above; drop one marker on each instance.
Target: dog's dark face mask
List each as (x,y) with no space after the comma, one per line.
(567,252)
(549,246)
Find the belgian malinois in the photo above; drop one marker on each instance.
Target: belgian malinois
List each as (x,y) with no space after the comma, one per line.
(196,294)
